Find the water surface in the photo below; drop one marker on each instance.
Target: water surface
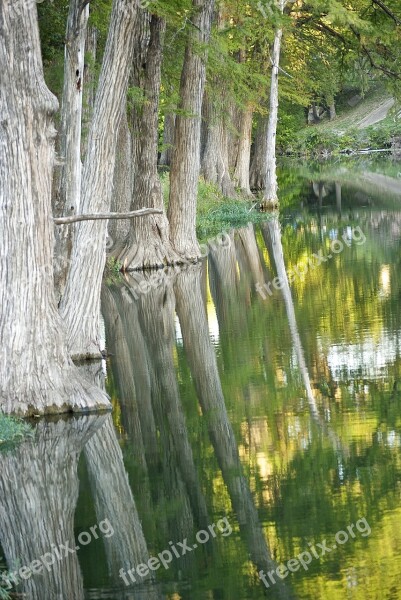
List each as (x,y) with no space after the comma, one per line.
(281,415)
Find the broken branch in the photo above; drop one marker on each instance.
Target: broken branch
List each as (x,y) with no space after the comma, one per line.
(106,216)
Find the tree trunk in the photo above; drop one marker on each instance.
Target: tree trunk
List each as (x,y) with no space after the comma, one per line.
(80,305)
(36,374)
(257,176)
(122,187)
(69,184)
(71,108)
(89,84)
(270,199)
(242,164)
(215,163)
(186,156)
(148,244)
(168,140)
(332,110)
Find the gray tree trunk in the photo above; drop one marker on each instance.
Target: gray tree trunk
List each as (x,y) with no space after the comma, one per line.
(71,108)
(36,373)
(215,162)
(148,244)
(270,199)
(257,175)
(185,167)
(80,305)
(242,163)
(69,180)
(69,183)
(168,140)
(89,84)
(121,198)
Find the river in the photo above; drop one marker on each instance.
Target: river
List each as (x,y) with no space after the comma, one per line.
(257,416)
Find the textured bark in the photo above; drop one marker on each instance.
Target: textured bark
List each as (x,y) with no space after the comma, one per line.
(148,244)
(36,374)
(168,140)
(69,182)
(257,176)
(38,494)
(106,216)
(80,305)
(186,156)
(203,365)
(242,163)
(270,199)
(122,187)
(215,162)
(137,76)
(71,108)
(89,90)
(234,115)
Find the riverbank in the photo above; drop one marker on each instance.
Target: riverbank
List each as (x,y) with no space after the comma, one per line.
(367,124)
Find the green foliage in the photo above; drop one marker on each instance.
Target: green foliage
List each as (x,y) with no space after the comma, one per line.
(291,119)
(12,431)
(380,135)
(112,272)
(315,141)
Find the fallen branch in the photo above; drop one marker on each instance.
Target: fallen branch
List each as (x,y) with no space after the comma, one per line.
(106,216)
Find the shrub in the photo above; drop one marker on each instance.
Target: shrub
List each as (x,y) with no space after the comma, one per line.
(12,430)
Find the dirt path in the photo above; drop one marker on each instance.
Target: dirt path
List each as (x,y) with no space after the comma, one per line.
(376,115)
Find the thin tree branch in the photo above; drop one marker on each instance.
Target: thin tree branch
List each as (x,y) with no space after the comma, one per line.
(106,216)
(373,64)
(322,26)
(388,12)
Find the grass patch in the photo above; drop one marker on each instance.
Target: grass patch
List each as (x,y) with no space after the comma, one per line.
(112,271)
(12,431)
(226,215)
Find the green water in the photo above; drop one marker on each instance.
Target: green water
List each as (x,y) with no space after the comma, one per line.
(281,415)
